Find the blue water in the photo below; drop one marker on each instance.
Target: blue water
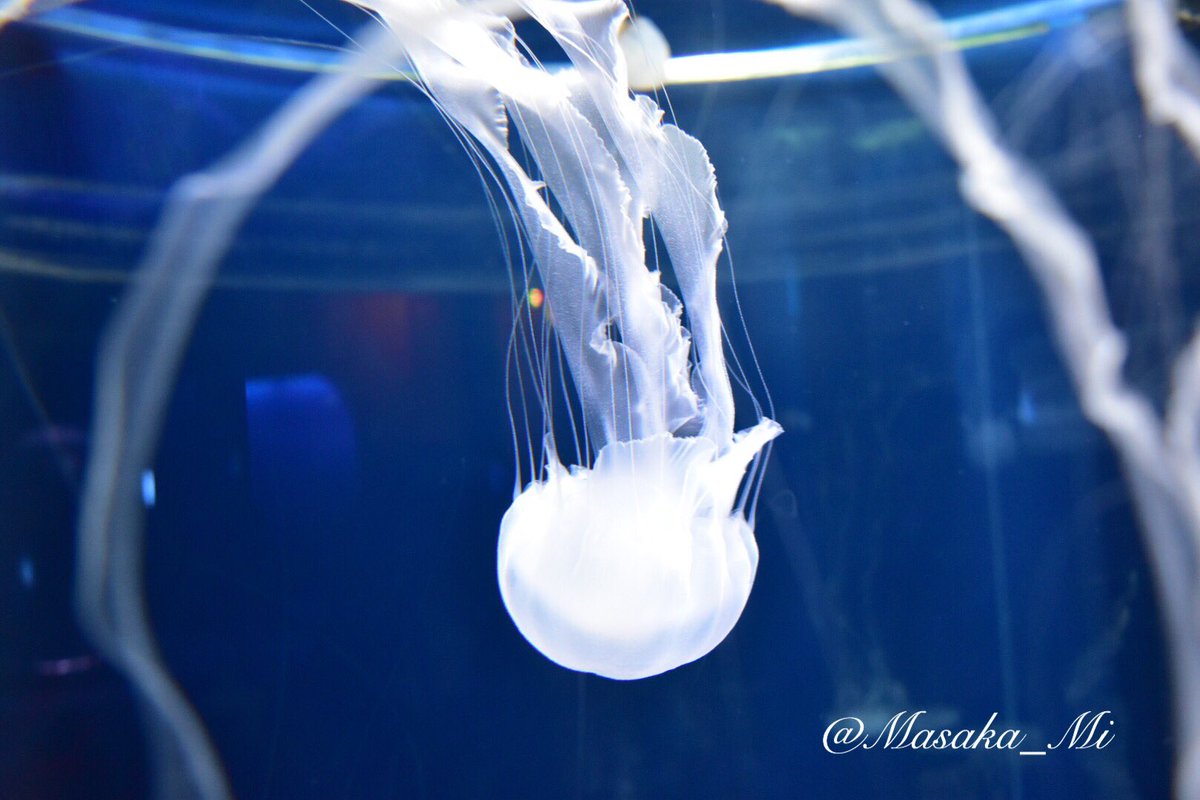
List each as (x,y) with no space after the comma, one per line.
(939,528)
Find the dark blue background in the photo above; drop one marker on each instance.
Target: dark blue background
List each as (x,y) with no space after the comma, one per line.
(939,528)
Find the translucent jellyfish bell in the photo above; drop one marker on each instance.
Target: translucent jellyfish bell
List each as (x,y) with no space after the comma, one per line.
(637,565)
(642,561)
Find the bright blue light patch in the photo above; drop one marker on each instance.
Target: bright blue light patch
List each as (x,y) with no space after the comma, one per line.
(26,572)
(1027,411)
(149,492)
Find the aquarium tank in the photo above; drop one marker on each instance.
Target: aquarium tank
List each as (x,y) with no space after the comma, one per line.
(581,399)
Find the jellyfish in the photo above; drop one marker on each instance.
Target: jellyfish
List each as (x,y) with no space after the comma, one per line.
(641,558)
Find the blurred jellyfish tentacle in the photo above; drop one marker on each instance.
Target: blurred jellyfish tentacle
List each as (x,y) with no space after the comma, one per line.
(642,561)
(1168,72)
(1161,455)
(1168,76)
(138,359)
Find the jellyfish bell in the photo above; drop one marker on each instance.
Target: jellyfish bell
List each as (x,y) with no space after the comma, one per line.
(637,565)
(639,557)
